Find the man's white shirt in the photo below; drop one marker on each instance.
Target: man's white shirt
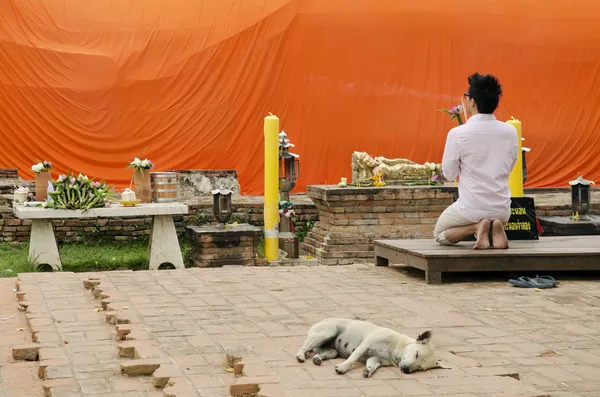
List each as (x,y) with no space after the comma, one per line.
(482,152)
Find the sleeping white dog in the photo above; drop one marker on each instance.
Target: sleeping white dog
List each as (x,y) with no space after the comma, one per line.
(365,342)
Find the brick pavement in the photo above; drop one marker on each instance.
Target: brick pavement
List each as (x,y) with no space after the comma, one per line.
(183,322)
(17,378)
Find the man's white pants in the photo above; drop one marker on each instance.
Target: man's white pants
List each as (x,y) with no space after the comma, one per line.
(449,219)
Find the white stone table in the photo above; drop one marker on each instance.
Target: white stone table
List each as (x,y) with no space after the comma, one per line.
(162,248)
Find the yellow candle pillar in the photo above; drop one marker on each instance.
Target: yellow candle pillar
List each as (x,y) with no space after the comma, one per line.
(515,180)
(271,207)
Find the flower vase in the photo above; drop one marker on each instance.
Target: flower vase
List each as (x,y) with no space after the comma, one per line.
(141,186)
(20,198)
(41,185)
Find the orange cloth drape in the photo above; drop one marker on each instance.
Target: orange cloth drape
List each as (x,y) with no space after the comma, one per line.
(92,84)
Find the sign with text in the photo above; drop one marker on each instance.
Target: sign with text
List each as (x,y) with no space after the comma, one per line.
(522,224)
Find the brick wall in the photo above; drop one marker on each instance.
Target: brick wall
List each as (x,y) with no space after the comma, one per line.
(562,210)
(246,209)
(418,221)
(9,173)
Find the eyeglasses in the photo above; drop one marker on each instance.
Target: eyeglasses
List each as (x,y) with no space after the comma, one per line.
(466,95)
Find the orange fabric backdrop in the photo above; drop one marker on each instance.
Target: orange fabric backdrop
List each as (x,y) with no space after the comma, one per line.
(90,84)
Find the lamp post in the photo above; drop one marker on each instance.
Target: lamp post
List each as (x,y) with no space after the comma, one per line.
(289,171)
(524,150)
(222,205)
(580,197)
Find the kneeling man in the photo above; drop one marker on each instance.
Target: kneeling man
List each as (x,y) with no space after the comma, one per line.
(482,153)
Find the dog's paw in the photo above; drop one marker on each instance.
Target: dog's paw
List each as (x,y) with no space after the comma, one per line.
(317,360)
(300,359)
(341,369)
(366,373)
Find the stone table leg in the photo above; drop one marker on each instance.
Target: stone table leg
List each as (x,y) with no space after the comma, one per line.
(164,245)
(42,245)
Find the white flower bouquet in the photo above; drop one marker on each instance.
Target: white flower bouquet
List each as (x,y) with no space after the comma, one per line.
(141,165)
(433,170)
(41,166)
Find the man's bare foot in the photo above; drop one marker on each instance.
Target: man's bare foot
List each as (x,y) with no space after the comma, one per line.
(483,235)
(499,240)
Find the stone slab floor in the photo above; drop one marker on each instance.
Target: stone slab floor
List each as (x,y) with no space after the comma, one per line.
(488,332)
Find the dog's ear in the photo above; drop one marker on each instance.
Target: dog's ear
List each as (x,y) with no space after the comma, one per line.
(424,338)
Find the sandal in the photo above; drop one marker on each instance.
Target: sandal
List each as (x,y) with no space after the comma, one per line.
(546,279)
(526,282)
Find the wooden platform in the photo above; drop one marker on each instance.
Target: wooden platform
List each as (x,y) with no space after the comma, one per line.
(545,254)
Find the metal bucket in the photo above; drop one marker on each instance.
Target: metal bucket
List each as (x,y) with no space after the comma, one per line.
(164,187)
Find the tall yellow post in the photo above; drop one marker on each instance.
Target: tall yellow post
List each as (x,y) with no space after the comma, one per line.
(515,180)
(271,209)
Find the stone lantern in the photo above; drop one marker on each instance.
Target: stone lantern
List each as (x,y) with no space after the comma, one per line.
(580,196)
(289,166)
(289,171)
(222,204)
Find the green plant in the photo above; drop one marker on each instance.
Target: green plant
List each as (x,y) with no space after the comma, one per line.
(202,218)
(96,227)
(82,257)
(261,243)
(240,217)
(302,231)
(14,259)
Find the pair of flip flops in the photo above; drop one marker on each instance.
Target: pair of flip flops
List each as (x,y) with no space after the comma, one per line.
(536,282)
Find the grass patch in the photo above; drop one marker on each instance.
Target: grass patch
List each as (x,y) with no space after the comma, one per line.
(83,257)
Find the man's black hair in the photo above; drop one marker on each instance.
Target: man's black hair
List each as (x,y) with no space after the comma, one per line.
(485,91)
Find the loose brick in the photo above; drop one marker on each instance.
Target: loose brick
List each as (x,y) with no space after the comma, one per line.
(238,369)
(127,348)
(117,318)
(125,329)
(28,352)
(243,389)
(164,373)
(90,284)
(232,357)
(141,366)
